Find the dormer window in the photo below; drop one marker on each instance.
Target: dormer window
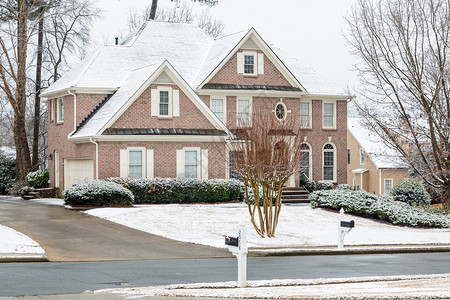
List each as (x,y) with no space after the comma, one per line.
(249,64)
(163,103)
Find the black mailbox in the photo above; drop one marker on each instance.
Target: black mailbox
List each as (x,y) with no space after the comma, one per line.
(348,224)
(231,241)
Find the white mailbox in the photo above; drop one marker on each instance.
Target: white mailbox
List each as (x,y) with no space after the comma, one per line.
(238,246)
(344,227)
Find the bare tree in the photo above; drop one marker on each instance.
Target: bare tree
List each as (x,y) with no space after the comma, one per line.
(405,68)
(265,155)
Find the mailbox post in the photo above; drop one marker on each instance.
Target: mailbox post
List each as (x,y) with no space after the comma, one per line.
(344,227)
(238,246)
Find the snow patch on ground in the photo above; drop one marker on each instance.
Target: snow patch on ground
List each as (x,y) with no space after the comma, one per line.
(13,243)
(49,201)
(299,226)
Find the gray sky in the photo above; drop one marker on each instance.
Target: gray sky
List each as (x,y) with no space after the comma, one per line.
(311,31)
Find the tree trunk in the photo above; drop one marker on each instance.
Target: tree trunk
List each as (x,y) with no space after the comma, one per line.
(37,100)
(153,9)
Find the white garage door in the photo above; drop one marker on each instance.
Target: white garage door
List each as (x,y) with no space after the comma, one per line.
(76,170)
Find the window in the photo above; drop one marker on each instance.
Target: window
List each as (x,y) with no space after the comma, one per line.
(234,158)
(361,156)
(190,164)
(249,64)
(387,186)
(348,156)
(329,164)
(135,164)
(280,111)
(305,115)
(164,103)
(243,112)
(328,115)
(305,161)
(217,107)
(60,110)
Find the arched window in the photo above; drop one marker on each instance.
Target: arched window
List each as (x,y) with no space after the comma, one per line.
(280,111)
(305,161)
(329,162)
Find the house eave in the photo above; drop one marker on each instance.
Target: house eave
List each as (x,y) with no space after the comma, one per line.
(80,90)
(149,138)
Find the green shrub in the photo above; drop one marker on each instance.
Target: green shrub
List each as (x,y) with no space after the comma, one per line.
(38,179)
(97,193)
(345,186)
(324,185)
(411,191)
(365,204)
(171,190)
(7,173)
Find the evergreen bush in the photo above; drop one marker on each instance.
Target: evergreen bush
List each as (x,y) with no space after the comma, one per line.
(411,191)
(38,179)
(7,173)
(364,204)
(98,193)
(172,190)
(324,185)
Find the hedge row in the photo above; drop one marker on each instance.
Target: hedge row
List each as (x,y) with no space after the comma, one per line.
(97,193)
(171,190)
(364,204)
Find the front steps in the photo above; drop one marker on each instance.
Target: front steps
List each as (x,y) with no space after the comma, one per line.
(294,195)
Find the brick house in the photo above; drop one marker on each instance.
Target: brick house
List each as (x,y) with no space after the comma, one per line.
(371,165)
(165,101)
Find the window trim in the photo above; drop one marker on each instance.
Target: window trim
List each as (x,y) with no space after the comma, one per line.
(285,110)
(199,163)
(144,160)
(250,110)
(334,114)
(60,110)
(170,106)
(348,156)
(309,102)
(224,106)
(334,180)
(362,156)
(310,158)
(384,185)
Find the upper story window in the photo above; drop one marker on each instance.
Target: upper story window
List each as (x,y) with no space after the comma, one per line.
(218,108)
(135,163)
(164,103)
(60,110)
(361,156)
(249,64)
(305,115)
(329,162)
(280,111)
(329,115)
(243,112)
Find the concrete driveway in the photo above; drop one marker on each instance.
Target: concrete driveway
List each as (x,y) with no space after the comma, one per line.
(67,235)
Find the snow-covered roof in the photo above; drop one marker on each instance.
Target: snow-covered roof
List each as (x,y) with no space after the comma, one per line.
(381,155)
(189,50)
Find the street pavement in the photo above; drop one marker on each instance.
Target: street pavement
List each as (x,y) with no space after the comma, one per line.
(68,235)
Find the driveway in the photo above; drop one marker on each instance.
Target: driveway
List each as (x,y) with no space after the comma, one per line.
(68,235)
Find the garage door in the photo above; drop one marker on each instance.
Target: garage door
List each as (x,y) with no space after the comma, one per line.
(76,170)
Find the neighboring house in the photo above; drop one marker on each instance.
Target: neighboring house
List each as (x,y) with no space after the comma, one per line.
(165,101)
(371,165)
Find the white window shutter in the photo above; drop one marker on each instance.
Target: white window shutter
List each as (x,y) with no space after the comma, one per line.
(204,161)
(240,63)
(154,103)
(180,164)
(260,63)
(176,102)
(123,163)
(150,164)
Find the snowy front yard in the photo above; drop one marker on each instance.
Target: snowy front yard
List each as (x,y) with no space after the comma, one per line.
(299,226)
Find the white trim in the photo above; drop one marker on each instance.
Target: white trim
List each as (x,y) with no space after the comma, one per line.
(150,163)
(224,105)
(199,163)
(250,110)
(168,89)
(334,161)
(59,113)
(362,156)
(334,114)
(384,184)
(255,62)
(260,63)
(57,171)
(79,90)
(310,158)
(204,164)
(309,102)
(285,110)
(144,160)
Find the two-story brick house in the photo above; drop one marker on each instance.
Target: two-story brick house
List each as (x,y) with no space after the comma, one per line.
(165,101)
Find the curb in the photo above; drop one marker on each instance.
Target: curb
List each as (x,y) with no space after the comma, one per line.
(348,251)
(14,259)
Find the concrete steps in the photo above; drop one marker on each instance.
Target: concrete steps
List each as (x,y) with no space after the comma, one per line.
(294,195)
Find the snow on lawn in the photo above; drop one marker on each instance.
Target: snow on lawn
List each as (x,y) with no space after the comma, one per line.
(16,244)
(298,226)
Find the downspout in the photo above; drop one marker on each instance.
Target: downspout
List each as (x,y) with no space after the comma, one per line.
(74,111)
(95,142)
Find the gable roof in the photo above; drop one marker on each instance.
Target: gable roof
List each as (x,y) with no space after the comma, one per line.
(381,155)
(189,50)
(137,81)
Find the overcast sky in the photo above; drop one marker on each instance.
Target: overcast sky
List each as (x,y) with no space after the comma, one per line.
(312,31)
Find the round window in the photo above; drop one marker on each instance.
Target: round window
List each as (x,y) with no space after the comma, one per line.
(280,111)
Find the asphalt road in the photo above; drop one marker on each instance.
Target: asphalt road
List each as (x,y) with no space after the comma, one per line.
(70,277)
